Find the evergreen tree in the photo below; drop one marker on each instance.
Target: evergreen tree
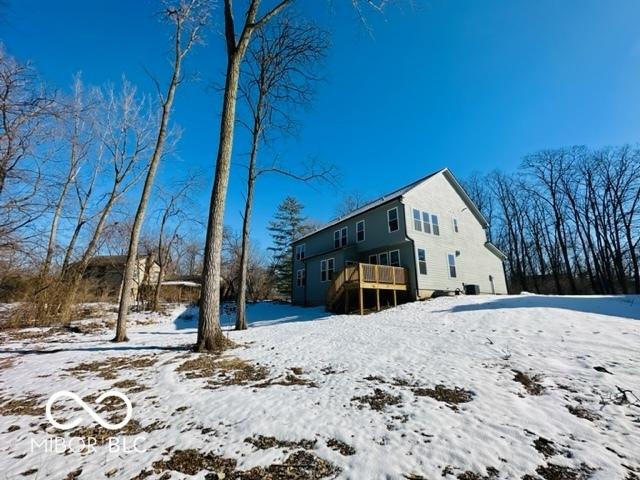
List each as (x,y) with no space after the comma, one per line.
(287,225)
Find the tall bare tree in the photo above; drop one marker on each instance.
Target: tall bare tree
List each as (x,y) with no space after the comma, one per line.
(188,18)
(278,75)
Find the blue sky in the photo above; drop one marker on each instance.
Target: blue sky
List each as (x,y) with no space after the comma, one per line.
(467,84)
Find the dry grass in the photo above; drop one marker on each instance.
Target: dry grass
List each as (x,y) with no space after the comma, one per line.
(531,383)
(450,396)
(262,442)
(222,371)
(109,367)
(27,405)
(378,400)
(341,447)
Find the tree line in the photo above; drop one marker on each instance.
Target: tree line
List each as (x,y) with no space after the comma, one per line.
(568,220)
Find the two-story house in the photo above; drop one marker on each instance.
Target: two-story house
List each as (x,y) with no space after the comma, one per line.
(425,238)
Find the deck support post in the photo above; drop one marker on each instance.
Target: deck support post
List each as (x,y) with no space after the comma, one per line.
(395,298)
(361,301)
(346,300)
(378,299)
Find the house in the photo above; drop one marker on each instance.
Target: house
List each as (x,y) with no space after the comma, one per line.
(103,275)
(426,238)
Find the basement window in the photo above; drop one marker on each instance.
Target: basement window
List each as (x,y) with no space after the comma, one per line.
(451,258)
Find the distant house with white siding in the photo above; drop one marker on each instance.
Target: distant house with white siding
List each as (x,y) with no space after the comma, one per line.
(425,238)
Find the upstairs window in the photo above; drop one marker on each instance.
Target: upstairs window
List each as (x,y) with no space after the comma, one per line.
(360,231)
(417,220)
(383,259)
(456,229)
(340,237)
(300,252)
(434,225)
(327,267)
(394,258)
(422,261)
(426,222)
(451,259)
(301,278)
(392,220)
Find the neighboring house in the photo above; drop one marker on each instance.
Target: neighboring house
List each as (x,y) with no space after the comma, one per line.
(430,231)
(103,275)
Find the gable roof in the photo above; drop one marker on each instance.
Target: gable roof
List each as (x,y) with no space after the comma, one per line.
(399,193)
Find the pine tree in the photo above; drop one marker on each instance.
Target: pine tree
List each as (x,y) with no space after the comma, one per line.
(287,225)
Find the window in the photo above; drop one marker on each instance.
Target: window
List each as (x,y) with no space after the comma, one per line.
(383,259)
(327,267)
(417,220)
(373,259)
(301,278)
(426,222)
(340,237)
(422,261)
(455,225)
(434,223)
(300,252)
(392,219)
(360,231)
(452,265)
(394,258)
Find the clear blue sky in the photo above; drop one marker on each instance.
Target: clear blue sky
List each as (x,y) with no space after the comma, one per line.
(471,85)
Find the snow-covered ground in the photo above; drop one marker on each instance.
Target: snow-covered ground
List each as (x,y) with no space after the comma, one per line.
(469,387)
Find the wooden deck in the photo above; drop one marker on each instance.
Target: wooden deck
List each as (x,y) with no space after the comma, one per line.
(363,276)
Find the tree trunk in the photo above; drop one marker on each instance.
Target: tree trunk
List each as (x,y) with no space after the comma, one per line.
(210,336)
(132,254)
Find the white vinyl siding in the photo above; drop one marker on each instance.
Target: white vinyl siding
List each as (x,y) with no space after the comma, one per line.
(360,233)
(392,220)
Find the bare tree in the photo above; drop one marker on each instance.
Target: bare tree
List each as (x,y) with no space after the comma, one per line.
(188,18)
(350,202)
(125,124)
(279,75)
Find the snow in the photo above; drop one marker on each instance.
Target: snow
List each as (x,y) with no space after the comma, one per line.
(474,343)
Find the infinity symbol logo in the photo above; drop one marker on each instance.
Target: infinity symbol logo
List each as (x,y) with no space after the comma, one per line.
(88,409)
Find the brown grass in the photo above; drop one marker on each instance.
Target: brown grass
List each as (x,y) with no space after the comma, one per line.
(378,400)
(262,442)
(531,383)
(450,396)
(222,371)
(26,405)
(109,367)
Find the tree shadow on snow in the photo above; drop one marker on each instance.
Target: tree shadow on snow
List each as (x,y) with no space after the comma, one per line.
(259,314)
(625,306)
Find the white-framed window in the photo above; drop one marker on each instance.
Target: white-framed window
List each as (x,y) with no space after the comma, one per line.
(392,219)
(422,261)
(373,259)
(340,237)
(327,268)
(417,220)
(360,231)
(451,261)
(300,250)
(426,222)
(301,278)
(394,258)
(383,258)
(434,225)
(456,228)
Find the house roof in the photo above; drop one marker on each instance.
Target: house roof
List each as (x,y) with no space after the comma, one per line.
(399,193)
(110,260)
